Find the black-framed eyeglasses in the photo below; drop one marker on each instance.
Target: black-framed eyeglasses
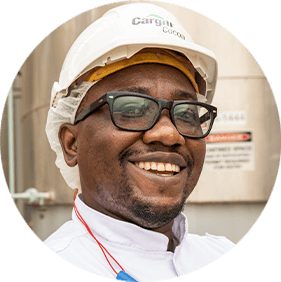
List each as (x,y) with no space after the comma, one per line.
(139,112)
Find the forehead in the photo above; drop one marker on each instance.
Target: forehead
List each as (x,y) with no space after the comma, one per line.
(160,81)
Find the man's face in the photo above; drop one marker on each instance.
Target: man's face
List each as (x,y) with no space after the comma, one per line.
(109,158)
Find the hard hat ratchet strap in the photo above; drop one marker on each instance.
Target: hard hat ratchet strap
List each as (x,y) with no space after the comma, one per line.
(142,58)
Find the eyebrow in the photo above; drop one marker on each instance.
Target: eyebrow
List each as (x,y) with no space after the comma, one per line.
(180,94)
(136,89)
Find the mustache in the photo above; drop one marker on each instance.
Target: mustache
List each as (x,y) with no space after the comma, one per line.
(127,153)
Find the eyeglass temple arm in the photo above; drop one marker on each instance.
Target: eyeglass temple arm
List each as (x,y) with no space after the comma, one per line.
(90,109)
(206,117)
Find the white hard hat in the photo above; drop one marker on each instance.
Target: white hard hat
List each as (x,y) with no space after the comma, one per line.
(122,32)
(119,34)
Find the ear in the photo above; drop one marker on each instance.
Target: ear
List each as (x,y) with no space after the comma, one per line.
(68,140)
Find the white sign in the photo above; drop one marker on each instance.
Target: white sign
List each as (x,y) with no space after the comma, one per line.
(231,118)
(230,156)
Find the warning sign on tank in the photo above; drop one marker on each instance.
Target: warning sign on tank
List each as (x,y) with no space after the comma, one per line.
(230,151)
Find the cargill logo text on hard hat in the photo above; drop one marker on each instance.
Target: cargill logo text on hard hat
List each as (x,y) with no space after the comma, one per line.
(158,21)
(151,19)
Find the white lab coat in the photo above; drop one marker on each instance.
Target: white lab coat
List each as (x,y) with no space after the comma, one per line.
(142,253)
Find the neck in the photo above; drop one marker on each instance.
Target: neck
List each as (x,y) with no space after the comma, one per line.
(167,231)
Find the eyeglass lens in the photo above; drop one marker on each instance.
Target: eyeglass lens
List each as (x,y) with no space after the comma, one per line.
(138,113)
(192,120)
(135,113)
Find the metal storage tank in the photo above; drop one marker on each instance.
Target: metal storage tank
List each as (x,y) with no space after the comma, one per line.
(242,154)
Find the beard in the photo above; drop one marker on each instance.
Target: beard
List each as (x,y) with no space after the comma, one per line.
(142,211)
(151,216)
(131,208)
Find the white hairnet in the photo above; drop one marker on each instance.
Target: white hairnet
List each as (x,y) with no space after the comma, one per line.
(65,112)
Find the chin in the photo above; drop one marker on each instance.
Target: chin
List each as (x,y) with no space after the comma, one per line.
(151,216)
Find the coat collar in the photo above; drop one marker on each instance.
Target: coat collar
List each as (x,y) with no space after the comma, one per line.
(125,233)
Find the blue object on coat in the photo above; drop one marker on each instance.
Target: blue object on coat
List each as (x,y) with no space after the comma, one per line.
(125,277)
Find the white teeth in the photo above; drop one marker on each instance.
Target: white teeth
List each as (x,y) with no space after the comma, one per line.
(147,166)
(168,167)
(153,166)
(141,165)
(158,166)
(161,167)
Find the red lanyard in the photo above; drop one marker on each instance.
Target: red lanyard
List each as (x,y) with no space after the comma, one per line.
(104,250)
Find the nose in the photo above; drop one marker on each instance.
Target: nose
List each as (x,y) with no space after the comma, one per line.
(164,131)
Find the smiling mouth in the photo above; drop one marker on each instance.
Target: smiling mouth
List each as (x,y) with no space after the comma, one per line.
(159,168)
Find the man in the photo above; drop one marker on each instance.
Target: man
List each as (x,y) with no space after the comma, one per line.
(127,122)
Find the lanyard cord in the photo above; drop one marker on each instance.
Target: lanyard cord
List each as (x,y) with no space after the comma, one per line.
(89,230)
